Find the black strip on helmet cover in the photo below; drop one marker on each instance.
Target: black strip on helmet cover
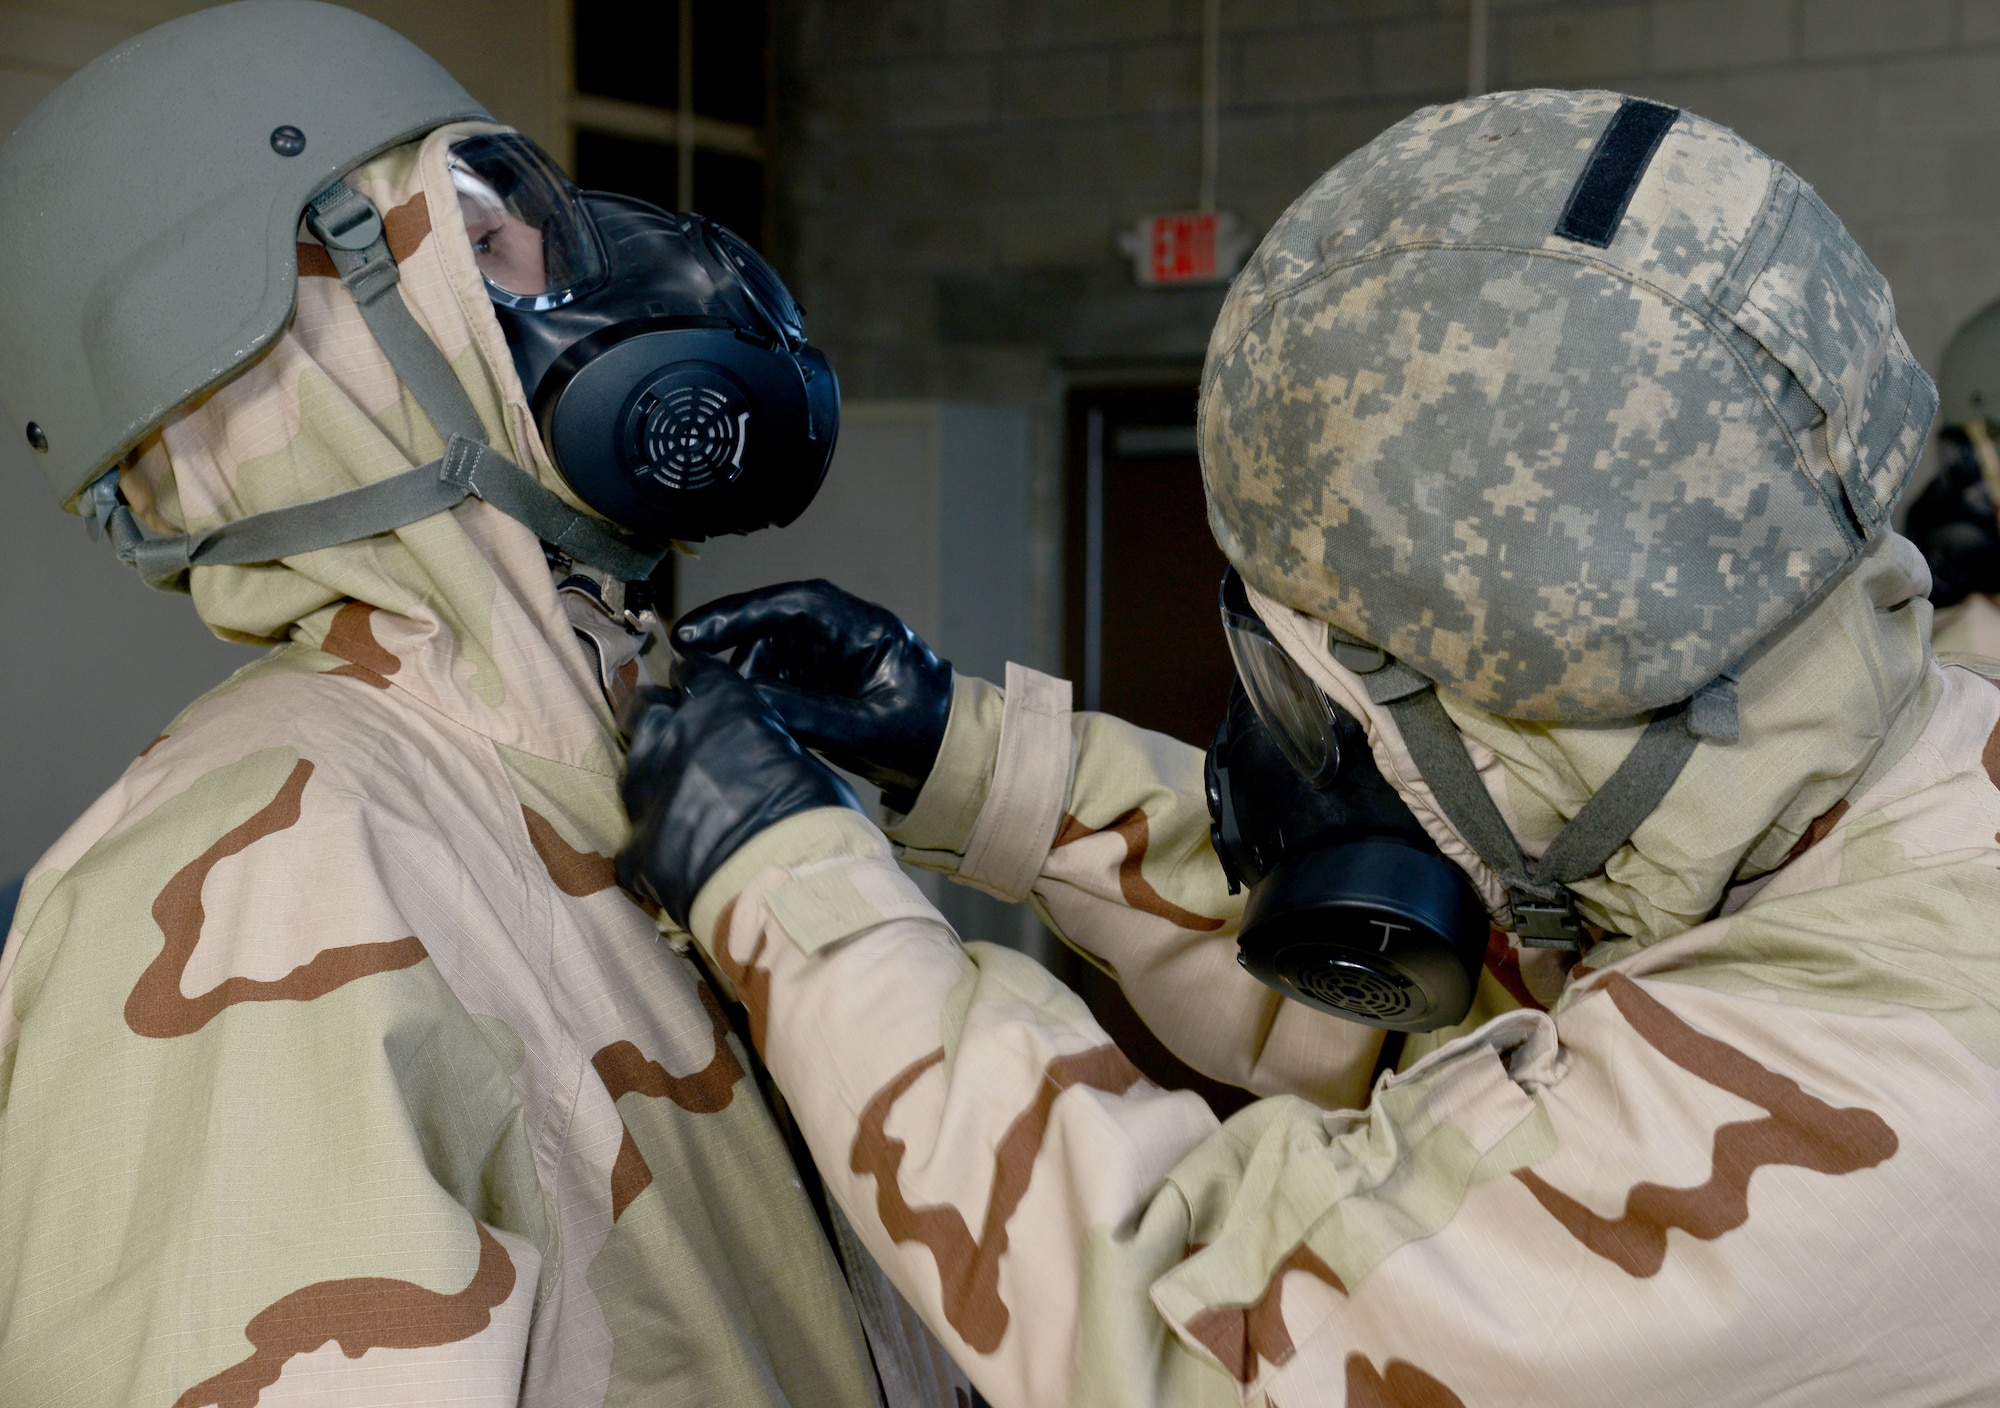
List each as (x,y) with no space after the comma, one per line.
(1616,166)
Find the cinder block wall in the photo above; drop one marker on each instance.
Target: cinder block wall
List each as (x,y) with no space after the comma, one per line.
(933,144)
(500,49)
(955,172)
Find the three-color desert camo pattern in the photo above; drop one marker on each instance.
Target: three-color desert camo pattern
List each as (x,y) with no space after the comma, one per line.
(1747,1153)
(1736,1154)
(1569,482)
(334,1063)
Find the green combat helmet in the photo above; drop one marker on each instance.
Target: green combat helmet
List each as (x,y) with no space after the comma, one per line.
(1953,519)
(1566,402)
(1969,378)
(150,217)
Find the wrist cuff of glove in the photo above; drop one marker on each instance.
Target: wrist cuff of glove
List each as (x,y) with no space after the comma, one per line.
(955,793)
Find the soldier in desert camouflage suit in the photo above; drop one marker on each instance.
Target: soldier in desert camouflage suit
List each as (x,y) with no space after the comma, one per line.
(1741,1153)
(335,1066)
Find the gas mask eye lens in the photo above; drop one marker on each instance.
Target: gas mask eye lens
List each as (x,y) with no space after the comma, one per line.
(761,285)
(534,242)
(1289,704)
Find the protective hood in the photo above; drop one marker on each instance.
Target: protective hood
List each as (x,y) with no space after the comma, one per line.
(1837,695)
(458,608)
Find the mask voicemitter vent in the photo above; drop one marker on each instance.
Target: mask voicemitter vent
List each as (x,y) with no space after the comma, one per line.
(692,430)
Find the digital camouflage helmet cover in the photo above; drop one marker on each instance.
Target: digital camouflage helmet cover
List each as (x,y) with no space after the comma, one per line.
(1565,400)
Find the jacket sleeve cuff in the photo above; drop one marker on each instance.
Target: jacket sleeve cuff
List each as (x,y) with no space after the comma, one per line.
(1000,801)
(827,838)
(949,804)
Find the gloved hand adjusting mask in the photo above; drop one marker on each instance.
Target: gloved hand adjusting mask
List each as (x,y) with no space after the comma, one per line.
(666,362)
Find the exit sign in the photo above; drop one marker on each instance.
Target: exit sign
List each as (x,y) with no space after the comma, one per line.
(1187,247)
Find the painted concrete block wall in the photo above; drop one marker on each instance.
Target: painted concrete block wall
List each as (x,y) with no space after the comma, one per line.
(956,171)
(939,147)
(502,50)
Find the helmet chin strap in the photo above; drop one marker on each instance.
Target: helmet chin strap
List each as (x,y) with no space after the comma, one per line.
(1545,914)
(350,227)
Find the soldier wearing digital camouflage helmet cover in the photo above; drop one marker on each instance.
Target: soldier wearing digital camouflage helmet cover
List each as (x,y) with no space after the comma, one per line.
(1588,739)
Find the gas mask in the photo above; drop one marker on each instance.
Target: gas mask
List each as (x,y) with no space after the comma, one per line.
(1352,908)
(665,360)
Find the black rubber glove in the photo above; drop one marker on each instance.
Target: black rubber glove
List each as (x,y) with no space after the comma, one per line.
(711,766)
(849,678)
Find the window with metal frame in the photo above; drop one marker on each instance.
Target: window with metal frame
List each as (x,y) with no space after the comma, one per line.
(670,102)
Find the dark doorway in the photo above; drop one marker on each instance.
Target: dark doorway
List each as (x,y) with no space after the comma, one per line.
(1144,639)
(1145,642)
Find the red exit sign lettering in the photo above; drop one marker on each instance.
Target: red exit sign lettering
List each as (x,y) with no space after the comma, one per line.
(1181,249)
(1186,247)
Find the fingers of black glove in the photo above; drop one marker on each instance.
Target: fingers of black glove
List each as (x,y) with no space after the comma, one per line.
(819,720)
(699,676)
(850,732)
(641,702)
(631,866)
(641,720)
(884,696)
(715,771)
(661,730)
(811,608)
(783,658)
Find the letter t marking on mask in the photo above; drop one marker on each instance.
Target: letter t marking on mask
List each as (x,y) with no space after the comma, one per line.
(1389,931)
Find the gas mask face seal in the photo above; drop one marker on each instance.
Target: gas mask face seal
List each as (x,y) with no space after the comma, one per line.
(665,360)
(1352,908)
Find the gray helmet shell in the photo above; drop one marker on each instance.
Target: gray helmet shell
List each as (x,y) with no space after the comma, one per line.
(149,211)
(1969,379)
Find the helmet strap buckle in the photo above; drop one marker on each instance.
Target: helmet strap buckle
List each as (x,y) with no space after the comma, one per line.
(340,217)
(1547,923)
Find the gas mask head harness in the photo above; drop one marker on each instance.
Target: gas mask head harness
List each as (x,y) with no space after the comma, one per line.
(665,361)
(1352,908)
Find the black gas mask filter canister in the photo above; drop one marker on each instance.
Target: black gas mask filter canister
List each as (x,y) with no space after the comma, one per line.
(1352,908)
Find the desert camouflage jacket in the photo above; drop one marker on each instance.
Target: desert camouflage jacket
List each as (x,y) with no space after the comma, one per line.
(1741,1154)
(334,1064)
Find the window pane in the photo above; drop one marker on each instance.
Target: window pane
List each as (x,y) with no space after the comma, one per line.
(730,190)
(630,51)
(627,165)
(729,44)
